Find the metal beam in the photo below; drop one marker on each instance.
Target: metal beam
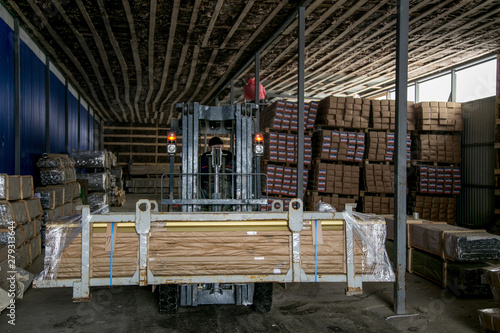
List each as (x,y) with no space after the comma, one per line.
(231,96)
(17,98)
(66,113)
(79,110)
(300,100)
(401,129)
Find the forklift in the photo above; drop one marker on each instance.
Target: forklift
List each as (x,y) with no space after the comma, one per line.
(235,189)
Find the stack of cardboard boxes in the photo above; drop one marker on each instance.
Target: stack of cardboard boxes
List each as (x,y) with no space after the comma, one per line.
(378,205)
(436,208)
(439,116)
(332,145)
(439,148)
(384,115)
(283,180)
(382,145)
(282,148)
(283,115)
(379,178)
(439,180)
(336,179)
(20,220)
(344,112)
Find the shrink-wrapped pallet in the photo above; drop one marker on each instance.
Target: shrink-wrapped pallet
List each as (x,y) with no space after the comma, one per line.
(97,181)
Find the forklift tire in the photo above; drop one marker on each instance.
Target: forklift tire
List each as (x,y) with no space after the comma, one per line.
(168,298)
(263,297)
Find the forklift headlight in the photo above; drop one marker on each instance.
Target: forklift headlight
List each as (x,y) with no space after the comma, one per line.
(171,148)
(259,150)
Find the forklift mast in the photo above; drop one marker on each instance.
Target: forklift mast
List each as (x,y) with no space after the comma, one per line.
(198,122)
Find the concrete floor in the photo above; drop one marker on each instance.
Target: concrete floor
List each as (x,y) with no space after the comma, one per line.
(305,307)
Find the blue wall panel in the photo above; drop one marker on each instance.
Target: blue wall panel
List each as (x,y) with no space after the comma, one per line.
(57,121)
(6,99)
(91,132)
(72,123)
(32,109)
(84,127)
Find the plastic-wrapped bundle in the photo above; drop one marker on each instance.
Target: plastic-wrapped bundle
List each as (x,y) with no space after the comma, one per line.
(91,159)
(55,161)
(369,233)
(97,200)
(3,186)
(53,176)
(70,174)
(117,172)
(97,181)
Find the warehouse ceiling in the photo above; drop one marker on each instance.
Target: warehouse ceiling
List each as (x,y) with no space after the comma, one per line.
(133,60)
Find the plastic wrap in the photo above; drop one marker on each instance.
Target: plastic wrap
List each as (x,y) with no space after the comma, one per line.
(6,217)
(471,246)
(55,161)
(91,159)
(325,207)
(10,187)
(97,181)
(57,176)
(3,186)
(59,235)
(97,200)
(369,232)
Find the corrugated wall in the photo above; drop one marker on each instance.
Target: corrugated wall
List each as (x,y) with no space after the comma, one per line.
(72,122)
(32,109)
(6,98)
(91,132)
(84,127)
(57,123)
(475,206)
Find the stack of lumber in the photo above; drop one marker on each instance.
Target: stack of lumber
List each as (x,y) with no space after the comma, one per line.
(20,219)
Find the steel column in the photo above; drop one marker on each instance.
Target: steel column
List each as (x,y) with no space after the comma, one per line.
(257,120)
(79,110)
(17,98)
(401,130)
(81,289)
(453,85)
(300,99)
(47,104)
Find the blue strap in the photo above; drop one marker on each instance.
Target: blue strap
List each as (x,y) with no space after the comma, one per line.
(315,250)
(111,256)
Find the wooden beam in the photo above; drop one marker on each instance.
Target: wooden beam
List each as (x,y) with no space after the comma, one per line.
(104,56)
(211,25)
(151,50)
(119,55)
(189,81)
(182,58)
(135,53)
(236,24)
(256,33)
(168,55)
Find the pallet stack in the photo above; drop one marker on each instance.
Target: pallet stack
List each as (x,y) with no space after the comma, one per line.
(279,163)
(346,112)
(435,179)
(453,257)
(383,115)
(20,213)
(95,167)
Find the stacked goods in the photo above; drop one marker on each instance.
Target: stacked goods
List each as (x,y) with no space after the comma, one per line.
(492,275)
(339,145)
(56,169)
(378,205)
(379,178)
(439,116)
(462,279)
(282,148)
(283,180)
(283,115)
(117,194)
(20,220)
(335,202)
(95,166)
(344,112)
(411,117)
(438,148)
(489,319)
(57,201)
(384,114)
(455,243)
(439,180)
(436,208)
(381,146)
(336,179)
